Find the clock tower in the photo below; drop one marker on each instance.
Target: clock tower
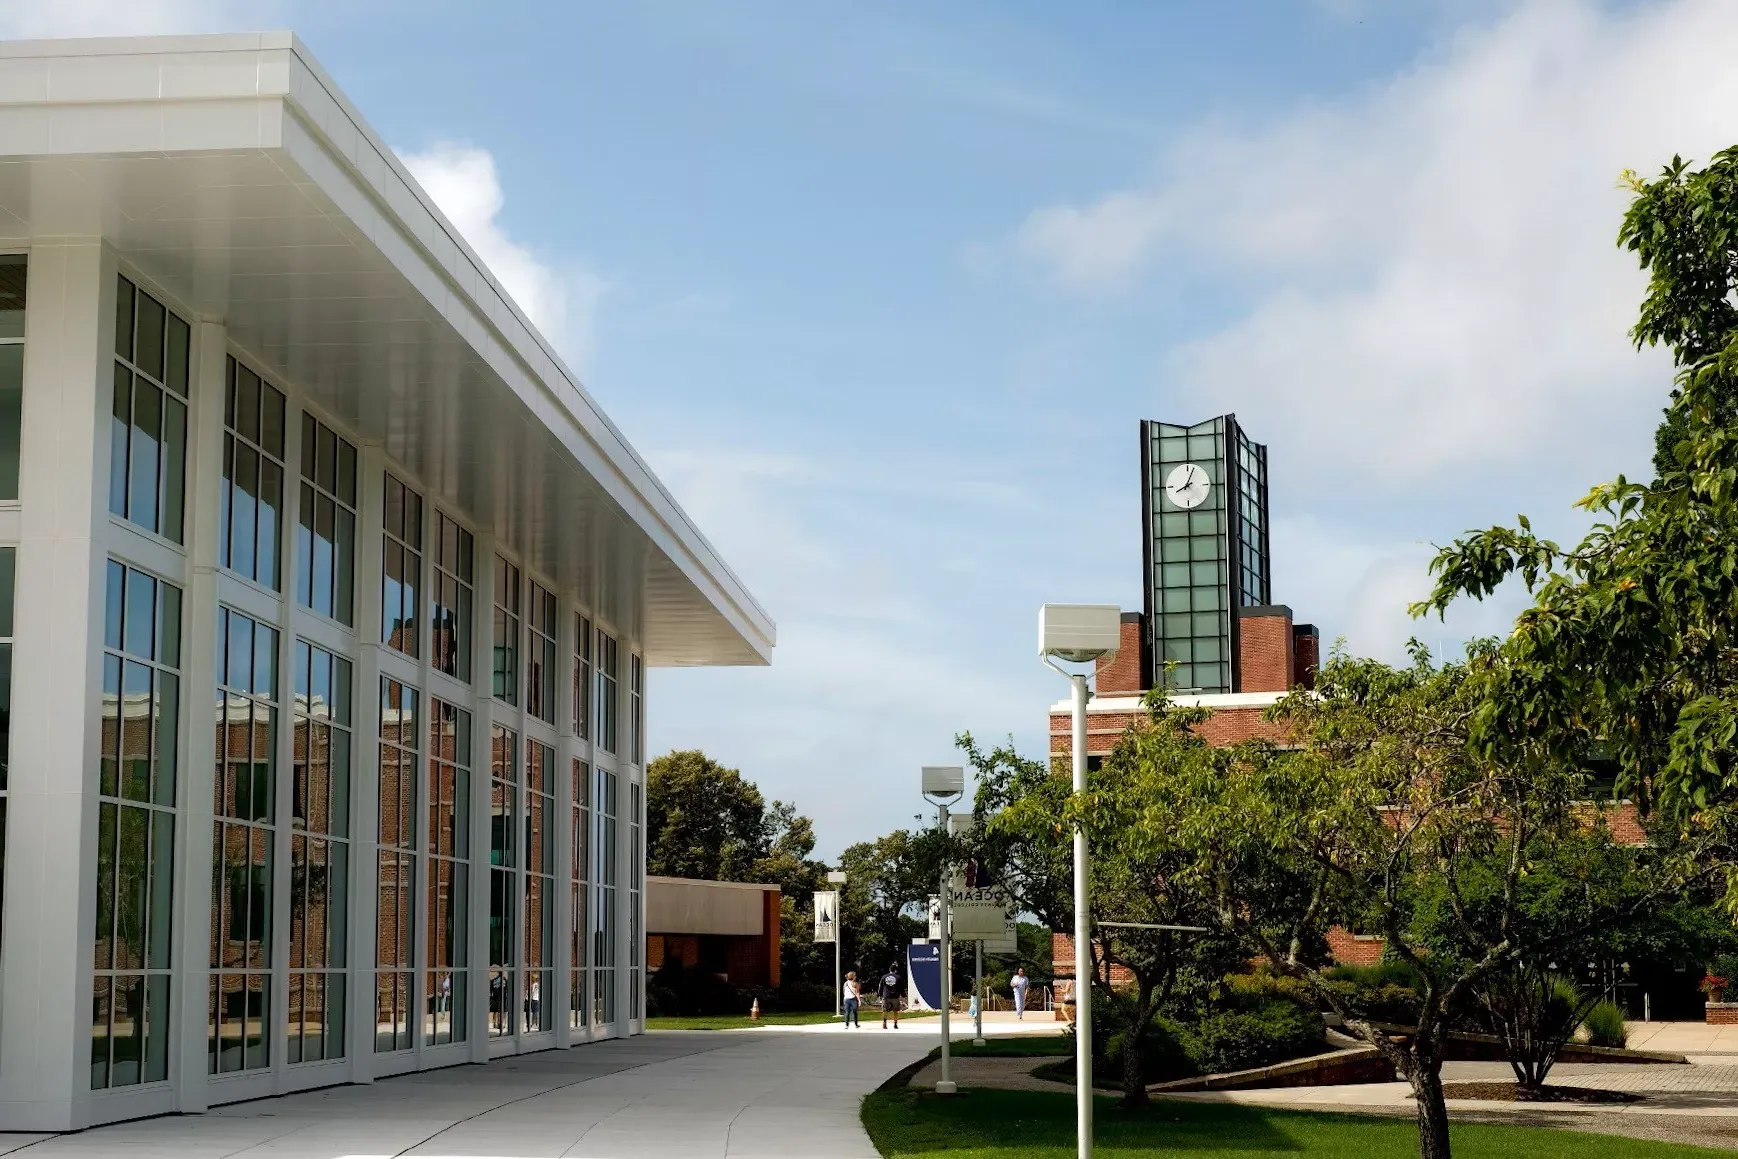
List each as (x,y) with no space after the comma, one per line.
(1204,546)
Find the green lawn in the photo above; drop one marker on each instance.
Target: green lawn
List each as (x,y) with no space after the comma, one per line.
(1026,1046)
(986,1124)
(742,1021)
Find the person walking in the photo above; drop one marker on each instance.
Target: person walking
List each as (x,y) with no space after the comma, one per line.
(853,996)
(889,992)
(1019,984)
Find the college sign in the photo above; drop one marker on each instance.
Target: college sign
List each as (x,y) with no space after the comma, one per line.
(979,913)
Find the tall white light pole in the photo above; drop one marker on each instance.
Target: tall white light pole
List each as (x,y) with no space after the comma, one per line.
(1080,634)
(942,785)
(836,879)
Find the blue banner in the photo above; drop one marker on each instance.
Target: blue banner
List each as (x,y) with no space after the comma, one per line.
(923,977)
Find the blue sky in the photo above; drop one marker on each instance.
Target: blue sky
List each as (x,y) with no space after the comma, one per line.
(883,289)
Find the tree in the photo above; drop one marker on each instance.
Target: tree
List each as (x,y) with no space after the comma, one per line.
(1133,880)
(1630,635)
(705,821)
(887,882)
(1384,790)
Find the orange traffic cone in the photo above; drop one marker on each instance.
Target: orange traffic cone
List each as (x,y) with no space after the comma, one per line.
(754,1011)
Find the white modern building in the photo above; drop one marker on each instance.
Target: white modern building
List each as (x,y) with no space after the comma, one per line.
(327,595)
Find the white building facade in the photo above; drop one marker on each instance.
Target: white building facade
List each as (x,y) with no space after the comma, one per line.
(327,597)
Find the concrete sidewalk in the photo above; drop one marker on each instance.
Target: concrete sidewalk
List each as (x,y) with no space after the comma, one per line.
(674,1093)
(1690,1038)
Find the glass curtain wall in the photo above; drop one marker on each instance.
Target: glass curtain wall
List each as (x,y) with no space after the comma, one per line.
(507,616)
(129,1041)
(8,574)
(395,924)
(1192,609)
(452,598)
(636,711)
(581,677)
(503,866)
(449,848)
(538,958)
(319,856)
(148,429)
(608,678)
(326,523)
(636,885)
(13,282)
(401,567)
(580,821)
(603,909)
(540,678)
(239,1016)
(251,504)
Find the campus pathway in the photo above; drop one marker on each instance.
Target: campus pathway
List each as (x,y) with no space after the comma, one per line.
(764,1093)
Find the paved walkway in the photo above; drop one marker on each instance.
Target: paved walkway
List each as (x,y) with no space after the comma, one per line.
(751,1095)
(1683,1037)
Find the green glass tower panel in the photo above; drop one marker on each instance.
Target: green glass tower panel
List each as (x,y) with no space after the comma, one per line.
(1205,551)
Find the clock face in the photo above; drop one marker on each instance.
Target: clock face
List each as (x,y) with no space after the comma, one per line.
(1187,485)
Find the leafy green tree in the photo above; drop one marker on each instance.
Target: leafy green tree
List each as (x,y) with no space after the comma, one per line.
(1383,790)
(706,821)
(1134,880)
(1630,635)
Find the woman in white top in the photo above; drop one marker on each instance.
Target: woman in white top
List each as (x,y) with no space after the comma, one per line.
(853,996)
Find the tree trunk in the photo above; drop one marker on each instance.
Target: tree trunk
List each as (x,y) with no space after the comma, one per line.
(1425,1073)
(1134,1079)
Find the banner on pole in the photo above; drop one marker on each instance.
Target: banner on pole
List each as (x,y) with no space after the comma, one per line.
(935,918)
(827,915)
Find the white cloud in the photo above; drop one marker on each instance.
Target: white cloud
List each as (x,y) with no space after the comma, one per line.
(1436,293)
(561,301)
(25,19)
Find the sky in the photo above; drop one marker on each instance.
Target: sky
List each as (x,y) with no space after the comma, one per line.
(882,291)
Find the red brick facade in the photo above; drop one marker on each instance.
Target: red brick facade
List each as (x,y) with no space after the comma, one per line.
(1124,673)
(1264,649)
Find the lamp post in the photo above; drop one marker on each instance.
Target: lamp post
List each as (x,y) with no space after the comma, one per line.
(1080,634)
(942,785)
(836,879)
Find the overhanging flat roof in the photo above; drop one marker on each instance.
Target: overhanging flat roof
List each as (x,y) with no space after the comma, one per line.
(232,172)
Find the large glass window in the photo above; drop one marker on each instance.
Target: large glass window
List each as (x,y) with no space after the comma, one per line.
(238,1013)
(449,847)
(507,616)
(326,523)
(395,924)
(135,829)
(581,677)
(539,949)
(636,710)
(636,887)
(148,432)
(8,573)
(13,280)
(603,908)
(503,884)
(580,821)
(540,658)
(250,508)
(608,680)
(319,856)
(401,568)
(452,598)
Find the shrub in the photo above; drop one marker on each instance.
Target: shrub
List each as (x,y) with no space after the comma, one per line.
(1259,1034)
(1604,1025)
(1163,1055)
(1241,989)
(1384,973)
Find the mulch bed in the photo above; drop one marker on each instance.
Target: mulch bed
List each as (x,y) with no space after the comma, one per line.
(1510,1093)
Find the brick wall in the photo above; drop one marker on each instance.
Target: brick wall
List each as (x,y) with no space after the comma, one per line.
(1264,649)
(1306,655)
(1062,961)
(1103,729)
(1125,673)
(1351,949)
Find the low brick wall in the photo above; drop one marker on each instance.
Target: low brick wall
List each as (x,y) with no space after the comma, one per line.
(1360,1064)
(1722,1013)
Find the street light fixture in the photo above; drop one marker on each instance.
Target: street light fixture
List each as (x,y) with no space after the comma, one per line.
(943,785)
(836,879)
(1080,634)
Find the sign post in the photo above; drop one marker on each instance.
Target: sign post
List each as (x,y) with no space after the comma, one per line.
(827,930)
(836,878)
